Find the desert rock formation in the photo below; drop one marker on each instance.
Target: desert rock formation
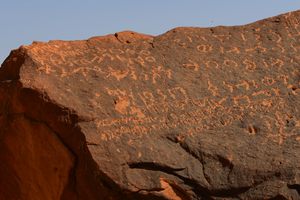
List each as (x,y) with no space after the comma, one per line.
(195,113)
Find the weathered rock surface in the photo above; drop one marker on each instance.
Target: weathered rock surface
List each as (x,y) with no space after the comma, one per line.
(195,113)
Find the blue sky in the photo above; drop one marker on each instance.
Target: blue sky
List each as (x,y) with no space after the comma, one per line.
(22,22)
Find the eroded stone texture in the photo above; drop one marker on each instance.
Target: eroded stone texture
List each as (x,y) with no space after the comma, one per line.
(195,113)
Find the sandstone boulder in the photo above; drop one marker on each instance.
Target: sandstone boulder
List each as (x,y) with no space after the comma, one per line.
(195,113)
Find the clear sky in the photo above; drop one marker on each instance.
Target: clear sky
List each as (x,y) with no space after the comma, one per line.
(22,22)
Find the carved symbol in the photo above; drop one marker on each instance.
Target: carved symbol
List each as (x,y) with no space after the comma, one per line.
(147,98)
(204,48)
(178,93)
(230,87)
(243,101)
(145,52)
(191,64)
(230,63)
(268,81)
(190,39)
(222,37)
(107,55)
(150,59)
(234,50)
(243,37)
(160,72)
(211,64)
(262,92)
(244,84)
(118,74)
(250,65)
(45,68)
(140,60)
(213,89)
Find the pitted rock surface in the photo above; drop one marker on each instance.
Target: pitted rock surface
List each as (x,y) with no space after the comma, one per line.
(195,113)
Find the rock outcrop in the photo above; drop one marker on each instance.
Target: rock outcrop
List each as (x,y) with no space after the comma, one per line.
(195,113)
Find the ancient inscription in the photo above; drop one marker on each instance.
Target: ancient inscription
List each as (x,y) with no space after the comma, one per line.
(224,82)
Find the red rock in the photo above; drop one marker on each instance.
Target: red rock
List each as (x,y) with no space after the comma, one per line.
(195,113)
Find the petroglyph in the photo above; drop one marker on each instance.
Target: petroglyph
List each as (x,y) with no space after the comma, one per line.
(243,37)
(250,65)
(159,72)
(204,48)
(211,64)
(230,63)
(118,74)
(256,49)
(212,88)
(190,39)
(222,37)
(235,50)
(268,81)
(275,62)
(243,84)
(262,92)
(150,59)
(193,65)
(242,101)
(46,69)
(229,86)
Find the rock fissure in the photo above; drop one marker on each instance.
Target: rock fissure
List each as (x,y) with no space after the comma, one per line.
(295,187)
(196,187)
(194,155)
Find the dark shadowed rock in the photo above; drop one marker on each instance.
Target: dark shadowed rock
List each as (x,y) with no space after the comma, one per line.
(195,113)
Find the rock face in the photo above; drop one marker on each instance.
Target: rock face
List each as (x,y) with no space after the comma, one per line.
(195,113)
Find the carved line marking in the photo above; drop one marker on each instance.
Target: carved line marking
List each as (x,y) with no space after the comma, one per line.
(192,65)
